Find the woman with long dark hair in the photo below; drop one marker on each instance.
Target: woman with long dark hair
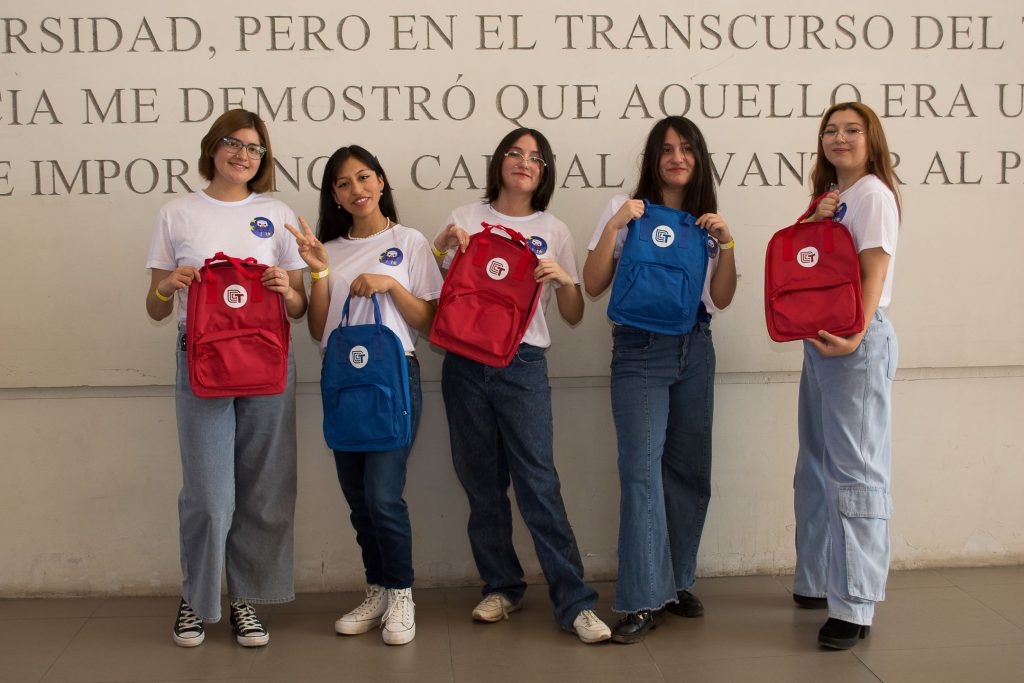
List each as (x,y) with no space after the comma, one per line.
(360,250)
(663,390)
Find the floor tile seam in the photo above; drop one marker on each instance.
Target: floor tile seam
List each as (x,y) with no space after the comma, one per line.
(64,650)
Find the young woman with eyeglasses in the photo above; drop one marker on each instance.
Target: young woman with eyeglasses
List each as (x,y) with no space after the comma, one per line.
(662,389)
(841,486)
(237,502)
(499,419)
(361,249)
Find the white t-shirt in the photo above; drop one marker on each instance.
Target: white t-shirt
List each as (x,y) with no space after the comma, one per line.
(192,228)
(402,253)
(549,238)
(868,210)
(613,206)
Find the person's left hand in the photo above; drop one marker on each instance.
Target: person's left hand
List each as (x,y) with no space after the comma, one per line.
(549,270)
(716,227)
(831,346)
(276,280)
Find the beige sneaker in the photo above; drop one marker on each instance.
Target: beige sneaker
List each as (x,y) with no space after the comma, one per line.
(400,619)
(367,615)
(495,607)
(590,628)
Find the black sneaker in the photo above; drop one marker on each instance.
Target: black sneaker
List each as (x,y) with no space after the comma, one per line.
(249,632)
(634,626)
(841,635)
(188,628)
(689,605)
(810,602)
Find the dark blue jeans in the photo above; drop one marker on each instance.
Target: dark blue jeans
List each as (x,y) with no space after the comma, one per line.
(662,401)
(501,432)
(373,484)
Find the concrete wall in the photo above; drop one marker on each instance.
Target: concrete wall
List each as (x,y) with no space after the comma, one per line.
(99,128)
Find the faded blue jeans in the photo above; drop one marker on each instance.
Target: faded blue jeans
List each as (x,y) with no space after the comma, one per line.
(373,484)
(501,432)
(236,508)
(841,485)
(662,401)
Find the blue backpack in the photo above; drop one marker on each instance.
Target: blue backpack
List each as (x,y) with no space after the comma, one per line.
(365,387)
(661,272)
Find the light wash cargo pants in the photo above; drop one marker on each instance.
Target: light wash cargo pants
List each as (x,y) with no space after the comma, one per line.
(841,485)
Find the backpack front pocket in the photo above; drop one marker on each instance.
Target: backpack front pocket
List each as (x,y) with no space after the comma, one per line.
(240,360)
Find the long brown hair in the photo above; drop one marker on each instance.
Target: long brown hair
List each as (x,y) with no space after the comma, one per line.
(226,124)
(879,160)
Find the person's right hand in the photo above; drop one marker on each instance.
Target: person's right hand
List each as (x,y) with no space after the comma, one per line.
(312,250)
(826,208)
(631,209)
(452,236)
(180,278)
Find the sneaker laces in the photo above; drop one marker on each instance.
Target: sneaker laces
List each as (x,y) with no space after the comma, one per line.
(590,618)
(188,620)
(496,600)
(398,608)
(246,620)
(370,604)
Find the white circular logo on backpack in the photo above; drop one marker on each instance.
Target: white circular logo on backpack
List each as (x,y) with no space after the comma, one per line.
(235,296)
(807,257)
(663,236)
(497,268)
(358,356)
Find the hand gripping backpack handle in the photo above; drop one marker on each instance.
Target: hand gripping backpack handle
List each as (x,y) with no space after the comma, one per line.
(789,251)
(524,262)
(645,231)
(254,274)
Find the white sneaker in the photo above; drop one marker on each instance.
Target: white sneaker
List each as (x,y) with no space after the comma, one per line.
(400,619)
(367,615)
(590,628)
(495,607)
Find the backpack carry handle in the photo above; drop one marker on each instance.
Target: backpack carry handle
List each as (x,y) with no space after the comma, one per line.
(828,242)
(520,269)
(644,234)
(376,310)
(253,274)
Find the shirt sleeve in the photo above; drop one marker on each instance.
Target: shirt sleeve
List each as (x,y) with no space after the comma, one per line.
(877,222)
(613,206)
(566,256)
(161,247)
(424,277)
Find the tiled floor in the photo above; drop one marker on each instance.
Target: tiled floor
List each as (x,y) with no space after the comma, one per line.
(937,625)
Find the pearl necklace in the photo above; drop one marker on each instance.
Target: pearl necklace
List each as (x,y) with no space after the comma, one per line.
(387,226)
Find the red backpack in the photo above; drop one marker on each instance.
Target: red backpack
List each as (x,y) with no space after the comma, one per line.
(812,281)
(488,298)
(237,331)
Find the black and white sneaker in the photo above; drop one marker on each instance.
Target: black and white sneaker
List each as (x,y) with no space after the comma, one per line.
(188,629)
(249,631)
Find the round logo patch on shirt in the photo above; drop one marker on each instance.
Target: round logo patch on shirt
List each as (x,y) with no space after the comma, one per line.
(358,356)
(712,247)
(663,236)
(235,296)
(537,245)
(497,268)
(261,227)
(391,257)
(840,212)
(807,257)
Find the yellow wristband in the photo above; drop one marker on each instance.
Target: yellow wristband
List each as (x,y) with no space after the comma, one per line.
(727,245)
(437,252)
(322,274)
(159,295)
